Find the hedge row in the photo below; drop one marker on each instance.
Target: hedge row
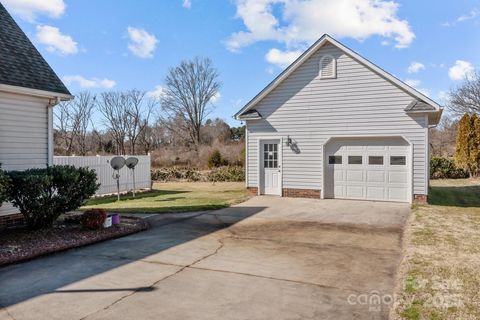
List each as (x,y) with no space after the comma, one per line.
(224,174)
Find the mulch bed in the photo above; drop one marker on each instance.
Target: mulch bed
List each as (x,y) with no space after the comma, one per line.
(21,244)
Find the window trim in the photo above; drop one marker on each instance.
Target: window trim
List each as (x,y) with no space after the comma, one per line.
(334,68)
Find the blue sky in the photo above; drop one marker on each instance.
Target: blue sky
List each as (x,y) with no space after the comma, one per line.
(116,45)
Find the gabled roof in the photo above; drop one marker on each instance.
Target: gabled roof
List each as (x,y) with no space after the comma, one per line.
(419,106)
(21,65)
(310,51)
(251,114)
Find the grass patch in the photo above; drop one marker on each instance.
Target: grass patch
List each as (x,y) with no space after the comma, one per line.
(175,197)
(440,269)
(456,193)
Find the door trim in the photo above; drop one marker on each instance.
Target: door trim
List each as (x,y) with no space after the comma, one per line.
(260,177)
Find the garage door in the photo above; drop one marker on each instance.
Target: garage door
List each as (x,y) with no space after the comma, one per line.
(368,169)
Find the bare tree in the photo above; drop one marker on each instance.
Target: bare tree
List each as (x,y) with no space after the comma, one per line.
(63,128)
(466,98)
(138,111)
(126,115)
(190,88)
(73,120)
(112,105)
(84,104)
(442,138)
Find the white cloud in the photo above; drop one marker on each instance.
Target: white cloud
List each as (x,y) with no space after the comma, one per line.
(90,83)
(187,4)
(471,15)
(157,92)
(412,82)
(30,9)
(142,44)
(415,67)
(216,97)
(424,91)
(304,21)
(282,58)
(415,83)
(55,40)
(475,12)
(460,70)
(443,97)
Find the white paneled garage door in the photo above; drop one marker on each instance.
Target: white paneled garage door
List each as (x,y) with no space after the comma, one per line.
(368,169)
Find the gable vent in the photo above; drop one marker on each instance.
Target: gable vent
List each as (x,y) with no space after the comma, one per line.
(328,67)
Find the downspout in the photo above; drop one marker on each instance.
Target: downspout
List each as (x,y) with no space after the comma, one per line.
(50,144)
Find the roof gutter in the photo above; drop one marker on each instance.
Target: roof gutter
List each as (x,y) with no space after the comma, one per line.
(36,93)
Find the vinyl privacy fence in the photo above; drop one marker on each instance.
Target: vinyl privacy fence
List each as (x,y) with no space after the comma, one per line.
(101,165)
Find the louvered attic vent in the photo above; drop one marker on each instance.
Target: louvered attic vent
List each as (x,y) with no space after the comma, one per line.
(328,67)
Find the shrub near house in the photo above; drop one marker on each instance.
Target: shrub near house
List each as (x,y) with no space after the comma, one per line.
(42,195)
(445,168)
(4,183)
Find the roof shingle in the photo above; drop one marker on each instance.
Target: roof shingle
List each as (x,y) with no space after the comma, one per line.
(21,63)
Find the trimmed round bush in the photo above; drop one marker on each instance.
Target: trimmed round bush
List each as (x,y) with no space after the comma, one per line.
(93,218)
(42,195)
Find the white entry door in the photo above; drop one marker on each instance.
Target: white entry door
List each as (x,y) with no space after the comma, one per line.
(271,167)
(370,169)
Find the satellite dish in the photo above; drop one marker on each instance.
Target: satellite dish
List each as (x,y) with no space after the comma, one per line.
(117,163)
(131,162)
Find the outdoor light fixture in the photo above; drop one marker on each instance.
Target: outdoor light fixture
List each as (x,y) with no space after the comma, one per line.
(288,142)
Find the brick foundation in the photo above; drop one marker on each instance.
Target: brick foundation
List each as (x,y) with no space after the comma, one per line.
(253,191)
(11,220)
(420,198)
(301,193)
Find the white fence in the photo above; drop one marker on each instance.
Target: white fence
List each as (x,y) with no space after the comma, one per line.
(101,165)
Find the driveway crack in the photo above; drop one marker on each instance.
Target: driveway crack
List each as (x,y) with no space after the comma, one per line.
(220,246)
(7,312)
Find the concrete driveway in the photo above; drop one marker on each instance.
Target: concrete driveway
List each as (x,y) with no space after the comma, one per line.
(268,258)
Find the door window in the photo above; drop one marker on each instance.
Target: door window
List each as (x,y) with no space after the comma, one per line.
(270,155)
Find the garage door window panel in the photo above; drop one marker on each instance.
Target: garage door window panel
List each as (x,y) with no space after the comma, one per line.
(375,160)
(398,161)
(335,160)
(354,159)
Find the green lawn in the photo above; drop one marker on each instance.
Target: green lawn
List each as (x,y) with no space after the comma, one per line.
(175,197)
(440,272)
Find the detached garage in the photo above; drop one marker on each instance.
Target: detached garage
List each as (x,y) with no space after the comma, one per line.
(334,125)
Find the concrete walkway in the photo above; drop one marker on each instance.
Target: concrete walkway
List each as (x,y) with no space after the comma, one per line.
(268,258)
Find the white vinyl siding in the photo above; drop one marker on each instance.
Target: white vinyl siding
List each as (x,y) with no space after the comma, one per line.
(23,134)
(358,102)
